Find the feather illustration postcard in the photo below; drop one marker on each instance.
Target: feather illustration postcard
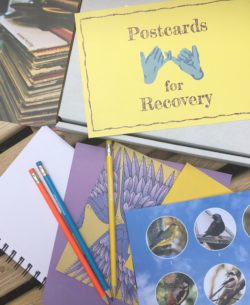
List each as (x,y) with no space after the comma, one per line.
(164,65)
(193,252)
(139,181)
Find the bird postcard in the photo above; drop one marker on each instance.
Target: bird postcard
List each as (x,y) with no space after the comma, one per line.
(164,65)
(139,182)
(192,252)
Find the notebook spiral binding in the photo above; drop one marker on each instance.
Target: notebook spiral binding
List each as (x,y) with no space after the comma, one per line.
(31,283)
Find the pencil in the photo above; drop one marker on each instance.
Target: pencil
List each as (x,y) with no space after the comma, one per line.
(111,207)
(69,235)
(73,227)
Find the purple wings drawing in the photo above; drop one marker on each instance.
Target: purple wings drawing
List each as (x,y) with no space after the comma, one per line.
(140,187)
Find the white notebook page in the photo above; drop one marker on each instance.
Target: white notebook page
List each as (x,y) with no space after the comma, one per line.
(26,222)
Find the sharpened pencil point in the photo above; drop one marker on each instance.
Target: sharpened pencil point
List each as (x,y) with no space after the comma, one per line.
(105,299)
(109,294)
(113,291)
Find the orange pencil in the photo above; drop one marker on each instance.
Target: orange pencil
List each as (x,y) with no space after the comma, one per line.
(69,235)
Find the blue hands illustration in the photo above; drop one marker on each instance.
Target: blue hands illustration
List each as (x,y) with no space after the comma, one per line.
(189,62)
(152,64)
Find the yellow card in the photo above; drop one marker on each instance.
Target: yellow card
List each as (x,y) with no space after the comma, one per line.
(165,65)
(193,184)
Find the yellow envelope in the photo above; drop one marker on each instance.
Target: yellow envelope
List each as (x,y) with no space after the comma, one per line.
(190,184)
(165,65)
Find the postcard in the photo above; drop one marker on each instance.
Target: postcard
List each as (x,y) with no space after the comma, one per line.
(190,184)
(193,252)
(139,181)
(164,65)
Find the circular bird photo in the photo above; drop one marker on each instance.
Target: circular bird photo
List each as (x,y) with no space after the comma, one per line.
(175,289)
(246,220)
(224,284)
(215,229)
(166,237)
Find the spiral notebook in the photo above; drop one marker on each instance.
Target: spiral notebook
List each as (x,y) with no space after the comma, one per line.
(27,226)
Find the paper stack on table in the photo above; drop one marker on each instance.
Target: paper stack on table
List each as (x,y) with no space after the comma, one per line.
(33,60)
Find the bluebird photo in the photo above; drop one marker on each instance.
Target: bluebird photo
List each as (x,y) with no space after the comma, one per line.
(166,237)
(215,229)
(224,284)
(176,289)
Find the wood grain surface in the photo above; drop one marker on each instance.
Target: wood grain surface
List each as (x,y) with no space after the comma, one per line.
(11,278)
(7,130)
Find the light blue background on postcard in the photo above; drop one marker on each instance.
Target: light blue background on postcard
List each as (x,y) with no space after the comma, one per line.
(195,261)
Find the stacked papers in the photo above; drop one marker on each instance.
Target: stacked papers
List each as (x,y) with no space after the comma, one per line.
(33,63)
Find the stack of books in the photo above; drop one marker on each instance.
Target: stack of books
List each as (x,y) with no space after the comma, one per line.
(33,61)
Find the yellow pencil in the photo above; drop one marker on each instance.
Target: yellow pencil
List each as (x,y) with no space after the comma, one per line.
(111,206)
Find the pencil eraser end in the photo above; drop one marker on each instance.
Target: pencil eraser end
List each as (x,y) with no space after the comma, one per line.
(31,171)
(39,163)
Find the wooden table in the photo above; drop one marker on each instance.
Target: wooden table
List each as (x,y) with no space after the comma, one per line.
(11,278)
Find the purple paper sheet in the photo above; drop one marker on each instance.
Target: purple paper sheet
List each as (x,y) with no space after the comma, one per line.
(87,162)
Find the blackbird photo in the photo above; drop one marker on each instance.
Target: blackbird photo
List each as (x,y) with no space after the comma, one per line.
(216,227)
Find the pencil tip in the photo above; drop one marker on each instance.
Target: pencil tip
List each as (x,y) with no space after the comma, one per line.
(113,291)
(105,299)
(109,294)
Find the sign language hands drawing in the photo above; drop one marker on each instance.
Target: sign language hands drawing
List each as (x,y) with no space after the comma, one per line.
(152,63)
(189,62)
